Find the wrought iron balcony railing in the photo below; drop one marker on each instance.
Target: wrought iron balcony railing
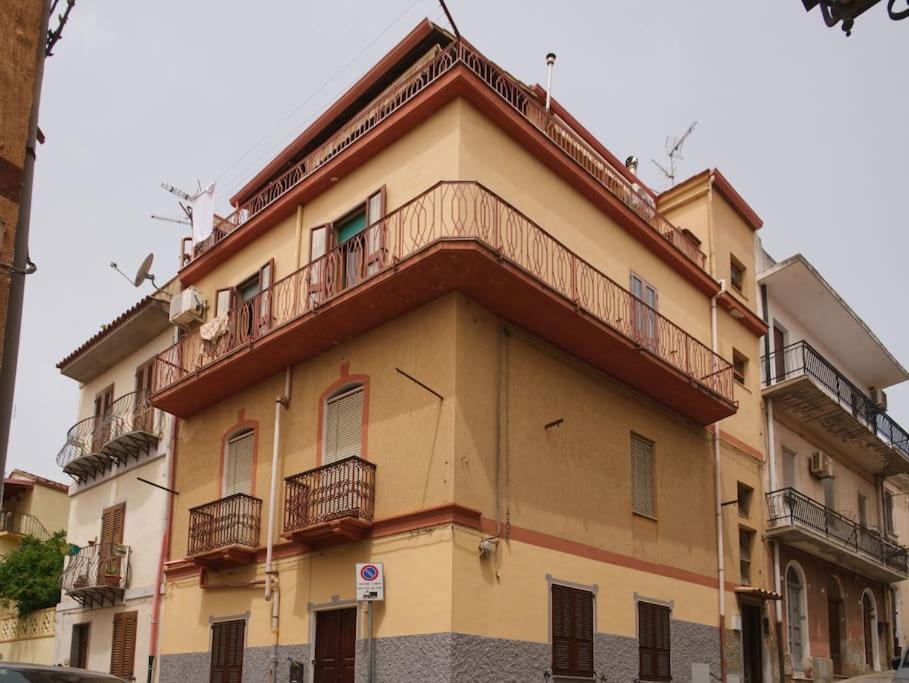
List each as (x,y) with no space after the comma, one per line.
(450,212)
(789,507)
(346,488)
(514,94)
(230,522)
(97,574)
(97,442)
(24,524)
(801,359)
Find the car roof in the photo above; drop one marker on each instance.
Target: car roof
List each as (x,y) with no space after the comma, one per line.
(15,666)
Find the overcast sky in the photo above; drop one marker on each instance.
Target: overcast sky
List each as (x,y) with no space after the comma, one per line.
(808,125)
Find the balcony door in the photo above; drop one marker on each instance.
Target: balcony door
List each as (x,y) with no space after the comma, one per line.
(336,643)
(779,356)
(111,537)
(644,312)
(104,402)
(142,410)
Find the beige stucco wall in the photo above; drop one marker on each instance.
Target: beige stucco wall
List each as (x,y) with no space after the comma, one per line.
(49,505)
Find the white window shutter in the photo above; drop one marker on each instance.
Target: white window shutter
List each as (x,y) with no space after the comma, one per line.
(238,466)
(642,475)
(344,425)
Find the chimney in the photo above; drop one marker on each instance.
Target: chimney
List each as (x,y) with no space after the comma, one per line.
(550,62)
(631,163)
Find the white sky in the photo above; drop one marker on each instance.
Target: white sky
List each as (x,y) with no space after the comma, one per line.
(808,125)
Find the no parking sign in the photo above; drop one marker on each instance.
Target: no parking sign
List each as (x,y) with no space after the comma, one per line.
(370,581)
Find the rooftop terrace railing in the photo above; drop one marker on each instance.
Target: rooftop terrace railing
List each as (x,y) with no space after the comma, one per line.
(801,359)
(449,211)
(23,523)
(513,93)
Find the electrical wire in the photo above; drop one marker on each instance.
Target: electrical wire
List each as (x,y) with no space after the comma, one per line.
(318,90)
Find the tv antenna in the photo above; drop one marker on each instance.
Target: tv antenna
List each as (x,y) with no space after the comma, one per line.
(184,197)
(674,152)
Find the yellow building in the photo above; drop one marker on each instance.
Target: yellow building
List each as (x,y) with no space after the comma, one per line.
(449,332)
(38,507)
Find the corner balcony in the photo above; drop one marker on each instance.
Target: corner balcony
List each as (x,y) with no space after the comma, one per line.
(456,236)
(809,390)
(330,504)
(96,575)
(804,523)
(225,533)
(97,444)
(22,524)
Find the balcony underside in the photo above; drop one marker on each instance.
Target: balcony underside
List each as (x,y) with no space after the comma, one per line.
(443,267)
(116,451)
(804,406)
(92,597)
(334,532)
(226,557)
(828,549)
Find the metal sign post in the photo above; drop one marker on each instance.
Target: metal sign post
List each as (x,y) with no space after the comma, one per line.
(370,580)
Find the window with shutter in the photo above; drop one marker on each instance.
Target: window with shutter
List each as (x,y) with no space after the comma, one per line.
(653,642)
(111,536)
(343,425)
(572,631)
(642,476)
(123,645)
(238,464)
(227,641)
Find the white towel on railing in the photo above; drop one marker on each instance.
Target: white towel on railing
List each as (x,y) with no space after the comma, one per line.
(214,328)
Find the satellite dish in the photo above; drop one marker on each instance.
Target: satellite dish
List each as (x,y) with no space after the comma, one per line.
(142,274)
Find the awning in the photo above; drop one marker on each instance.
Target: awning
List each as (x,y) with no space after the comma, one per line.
(756,593)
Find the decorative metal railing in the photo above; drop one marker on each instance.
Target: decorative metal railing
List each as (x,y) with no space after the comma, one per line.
(450,211)
(23,523)
(230,521)
(346,488)
(789,507)
(97,566)
(513,93)
(37,624)
(801,359)
(130,413)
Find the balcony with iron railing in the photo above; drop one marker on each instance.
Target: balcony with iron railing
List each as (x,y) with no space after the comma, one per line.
(22,524)
(456,236)
(225,532)
(94,445)
(97,574)
(330,504)
(806,524)
(809,388)
(514,95)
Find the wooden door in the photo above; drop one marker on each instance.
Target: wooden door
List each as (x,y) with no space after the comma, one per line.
(833,630)
(752,654)
(794,618)
(111,536)
(227,643)
(123,644)
(867,617)
(78,654)
(142,409)
(779,357)
(104,402)
(336,642)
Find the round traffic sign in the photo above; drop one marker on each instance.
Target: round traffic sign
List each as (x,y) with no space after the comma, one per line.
(369,572)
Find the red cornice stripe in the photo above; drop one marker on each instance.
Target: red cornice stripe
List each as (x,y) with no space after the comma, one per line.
(749,319)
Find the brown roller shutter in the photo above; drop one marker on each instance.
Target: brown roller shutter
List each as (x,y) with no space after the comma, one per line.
(654,642)
(572,632)
(123,645)
(227,638)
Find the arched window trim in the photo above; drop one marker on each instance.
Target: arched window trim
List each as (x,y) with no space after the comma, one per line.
(803,608)
(240,427)
(346,383)
(875,638)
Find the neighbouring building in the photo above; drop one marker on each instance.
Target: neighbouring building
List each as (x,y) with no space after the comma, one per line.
(38,507)
(447,331)
(837,472)
(116,455)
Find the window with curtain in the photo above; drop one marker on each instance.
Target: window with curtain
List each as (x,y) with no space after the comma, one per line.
(343,425)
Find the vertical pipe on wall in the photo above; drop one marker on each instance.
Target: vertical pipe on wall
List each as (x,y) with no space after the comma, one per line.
(717,460)
(298,247)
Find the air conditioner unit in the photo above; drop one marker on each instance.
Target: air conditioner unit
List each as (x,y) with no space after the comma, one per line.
(879,397)
(187,306)
(821,465)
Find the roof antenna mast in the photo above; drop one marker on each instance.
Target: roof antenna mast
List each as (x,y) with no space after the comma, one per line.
(674,152)
(451,20)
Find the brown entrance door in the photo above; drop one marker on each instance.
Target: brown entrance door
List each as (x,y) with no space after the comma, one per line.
(834,613)
(867,617)
(78,653)
(336,642)
(779,358)
(751,643)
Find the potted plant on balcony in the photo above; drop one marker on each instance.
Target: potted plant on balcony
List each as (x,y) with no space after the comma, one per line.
(111,577)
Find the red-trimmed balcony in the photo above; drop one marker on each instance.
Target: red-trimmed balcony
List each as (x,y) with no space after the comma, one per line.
(456,236)
(96,444)
(225,533)
(330,504)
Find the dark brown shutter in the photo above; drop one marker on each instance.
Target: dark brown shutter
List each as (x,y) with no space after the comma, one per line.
(654,642)
(123,646)
(227,651)
(572,632)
